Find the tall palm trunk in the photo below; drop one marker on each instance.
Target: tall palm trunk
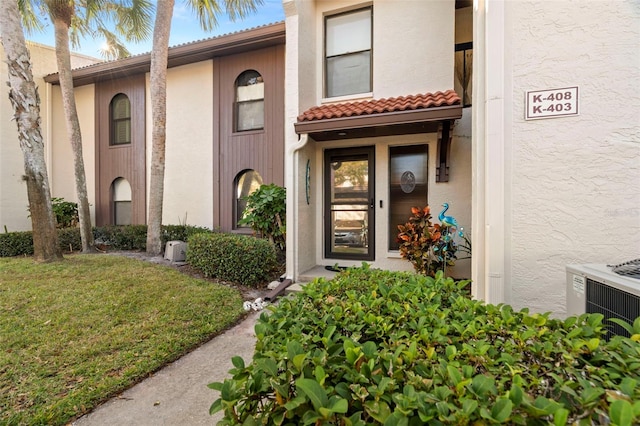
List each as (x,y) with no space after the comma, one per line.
(158,81)
(26,106)
(62,20)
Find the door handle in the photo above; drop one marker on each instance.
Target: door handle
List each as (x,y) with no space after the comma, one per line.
(371,204)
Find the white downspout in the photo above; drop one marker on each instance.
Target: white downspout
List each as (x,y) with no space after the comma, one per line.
(292,185)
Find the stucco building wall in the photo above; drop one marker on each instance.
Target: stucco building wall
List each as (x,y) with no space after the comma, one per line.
(61,167)
(13,192)
(567,189)
(188,192)
(413,52)
(576,181)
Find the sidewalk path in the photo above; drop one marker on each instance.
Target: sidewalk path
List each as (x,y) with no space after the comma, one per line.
(178,394)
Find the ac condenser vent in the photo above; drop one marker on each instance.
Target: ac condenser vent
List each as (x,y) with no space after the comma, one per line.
(595,288)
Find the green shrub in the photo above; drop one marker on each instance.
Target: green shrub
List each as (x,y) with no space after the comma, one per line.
(266,213)
(66,212)
(129,237)
(377,347)
(69,239)
(180,233)
(16,244)
(238,258)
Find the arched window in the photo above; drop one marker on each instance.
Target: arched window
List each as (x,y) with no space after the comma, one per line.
(120,120)
(249,111)
(245,183)
(121,196)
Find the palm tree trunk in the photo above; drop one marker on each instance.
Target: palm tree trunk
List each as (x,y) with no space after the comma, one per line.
(26,105)
(158,82)
(63,57)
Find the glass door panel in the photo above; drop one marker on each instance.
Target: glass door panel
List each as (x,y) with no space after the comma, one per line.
(349,205)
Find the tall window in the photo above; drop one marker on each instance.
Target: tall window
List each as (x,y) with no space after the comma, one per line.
(245,184)
(121,195)
(408,185)
(348,53)
(120,117)
(249,101)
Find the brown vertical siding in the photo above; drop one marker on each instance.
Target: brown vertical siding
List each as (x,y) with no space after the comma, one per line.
(127,161)
(260,150)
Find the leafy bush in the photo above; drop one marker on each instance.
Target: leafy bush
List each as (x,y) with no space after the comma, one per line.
(266,213)
(378,347)
(238,258)
(429,247)
(16,244)
(65,212)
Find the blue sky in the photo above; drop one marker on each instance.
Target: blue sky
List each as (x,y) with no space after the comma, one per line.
(184,28)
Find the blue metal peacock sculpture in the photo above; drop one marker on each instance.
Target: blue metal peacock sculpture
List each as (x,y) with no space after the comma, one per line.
(447,221)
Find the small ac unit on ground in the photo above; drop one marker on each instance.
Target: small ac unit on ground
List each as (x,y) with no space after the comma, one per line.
(176,251)
(595,288)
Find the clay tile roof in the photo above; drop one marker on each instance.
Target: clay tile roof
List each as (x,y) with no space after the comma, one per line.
(380,106)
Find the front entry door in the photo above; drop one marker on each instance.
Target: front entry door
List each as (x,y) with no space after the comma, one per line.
(349,203)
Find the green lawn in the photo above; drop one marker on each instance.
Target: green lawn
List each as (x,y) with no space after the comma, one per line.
(75,333)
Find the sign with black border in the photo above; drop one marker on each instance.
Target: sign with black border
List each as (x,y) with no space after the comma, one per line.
(551,103)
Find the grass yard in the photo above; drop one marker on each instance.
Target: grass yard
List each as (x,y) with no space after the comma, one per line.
(75,333)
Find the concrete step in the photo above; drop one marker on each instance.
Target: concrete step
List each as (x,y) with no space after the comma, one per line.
(295,288)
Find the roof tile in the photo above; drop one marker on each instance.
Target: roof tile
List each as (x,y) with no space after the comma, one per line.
(380,106)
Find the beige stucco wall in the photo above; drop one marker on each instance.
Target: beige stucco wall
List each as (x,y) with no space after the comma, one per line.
(61,165)
(428,44)
(188,185)
(413,53)
(570,187)
(13,193)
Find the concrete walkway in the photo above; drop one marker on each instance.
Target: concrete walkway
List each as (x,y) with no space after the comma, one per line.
(178,394)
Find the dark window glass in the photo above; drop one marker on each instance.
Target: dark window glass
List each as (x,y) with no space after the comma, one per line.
(407,185)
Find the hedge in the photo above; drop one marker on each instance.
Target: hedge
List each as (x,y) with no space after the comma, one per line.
(389,348)
(130,237)
(242,259)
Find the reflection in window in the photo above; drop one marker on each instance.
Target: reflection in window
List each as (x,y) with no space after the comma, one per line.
(245,184)
(249,101)
(348,53)
(408,185)
(464,71)
(121,195)
(120,118)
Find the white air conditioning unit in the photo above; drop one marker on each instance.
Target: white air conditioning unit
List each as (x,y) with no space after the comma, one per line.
(595,288)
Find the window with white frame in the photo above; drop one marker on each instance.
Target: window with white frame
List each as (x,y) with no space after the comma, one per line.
(249,112)
(348,53)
